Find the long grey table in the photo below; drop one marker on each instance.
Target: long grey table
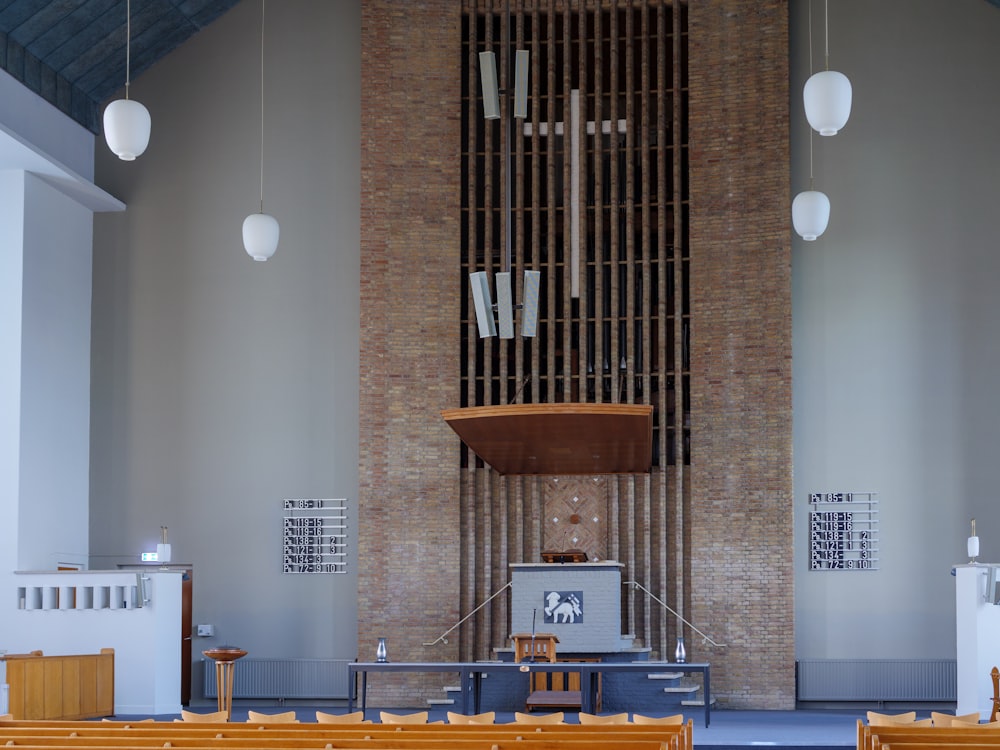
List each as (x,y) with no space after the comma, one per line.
(471,675)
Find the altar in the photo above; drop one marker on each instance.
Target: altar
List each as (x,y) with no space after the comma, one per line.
(579,603)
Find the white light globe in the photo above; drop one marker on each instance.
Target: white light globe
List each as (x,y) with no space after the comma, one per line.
(827,98)
(260,235)
(810,214)
(126,128)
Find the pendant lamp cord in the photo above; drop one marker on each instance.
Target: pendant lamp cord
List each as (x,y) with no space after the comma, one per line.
(508,136)
(128,43)
(826,32)
(810,75)
(262,4)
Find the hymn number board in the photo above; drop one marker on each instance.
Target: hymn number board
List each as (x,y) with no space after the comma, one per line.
(843,531)
(314,536)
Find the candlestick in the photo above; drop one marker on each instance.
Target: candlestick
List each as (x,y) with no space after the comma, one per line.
(973,544)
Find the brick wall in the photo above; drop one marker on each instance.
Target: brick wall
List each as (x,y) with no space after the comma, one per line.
(737,516)
(409,537)
(740,518)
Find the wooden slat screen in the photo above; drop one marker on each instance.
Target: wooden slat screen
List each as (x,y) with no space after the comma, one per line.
(624,338)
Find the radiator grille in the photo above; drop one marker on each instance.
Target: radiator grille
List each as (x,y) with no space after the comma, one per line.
(283,678)
(877,680)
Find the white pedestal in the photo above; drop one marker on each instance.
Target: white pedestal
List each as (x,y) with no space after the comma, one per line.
(977,622)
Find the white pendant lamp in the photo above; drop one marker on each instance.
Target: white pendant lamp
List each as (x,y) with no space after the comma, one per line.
(260,235)
(261,230)
(827,95)
(810,214)
(126,121)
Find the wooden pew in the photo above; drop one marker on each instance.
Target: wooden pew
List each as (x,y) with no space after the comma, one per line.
(374,736)
(278,741)
(874,738)
(76,686)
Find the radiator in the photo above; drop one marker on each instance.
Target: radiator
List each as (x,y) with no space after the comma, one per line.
(877,680)
(283,678)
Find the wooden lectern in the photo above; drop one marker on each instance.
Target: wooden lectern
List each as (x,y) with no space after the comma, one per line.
(548,689)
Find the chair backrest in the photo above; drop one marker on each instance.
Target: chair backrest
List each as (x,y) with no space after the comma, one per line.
(287,717)
(662,720)
(487,718)
(885,720)
(216,717)
(522,718)
(358,717)
(418,718)
(948,720)
(586,718)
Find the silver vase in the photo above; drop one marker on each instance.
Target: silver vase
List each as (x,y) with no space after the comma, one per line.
(680,653)
(381,655)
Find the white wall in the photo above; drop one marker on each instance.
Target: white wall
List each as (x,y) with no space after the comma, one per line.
(11,273)
(55,387)
(894,314)
(222,386)
(45,385)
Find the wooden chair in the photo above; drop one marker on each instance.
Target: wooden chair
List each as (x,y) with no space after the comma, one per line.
(881,720)
(995,676)
(486,718)
(549,689)
(215,717)
(556,718)
(358,717)
(417,718)
(256,717)
(586,718)
(661,720)
(949,720)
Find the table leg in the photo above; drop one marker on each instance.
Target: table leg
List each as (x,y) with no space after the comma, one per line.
(364,694)
(464,677)
(586,690)
(708,697)
(351,689)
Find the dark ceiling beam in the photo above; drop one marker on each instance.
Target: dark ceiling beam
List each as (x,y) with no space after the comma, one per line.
(72,52)
(48,84)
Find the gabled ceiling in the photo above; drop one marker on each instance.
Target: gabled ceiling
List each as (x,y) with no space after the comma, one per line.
(72,52)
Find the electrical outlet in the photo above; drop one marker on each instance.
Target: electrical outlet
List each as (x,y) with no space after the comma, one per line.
(206,631)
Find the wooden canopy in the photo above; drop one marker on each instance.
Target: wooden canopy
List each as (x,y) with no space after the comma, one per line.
(558,439)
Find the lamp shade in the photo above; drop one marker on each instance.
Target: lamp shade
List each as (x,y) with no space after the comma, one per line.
(810,214)
(260,235)
(126,128)
(827,98)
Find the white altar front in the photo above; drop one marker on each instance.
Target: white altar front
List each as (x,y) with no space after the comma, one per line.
(580,603)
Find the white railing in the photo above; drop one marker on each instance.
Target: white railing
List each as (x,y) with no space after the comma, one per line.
(86,589)
(651,595)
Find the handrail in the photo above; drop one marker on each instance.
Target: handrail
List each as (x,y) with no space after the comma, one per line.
(442,638)
(663,604)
